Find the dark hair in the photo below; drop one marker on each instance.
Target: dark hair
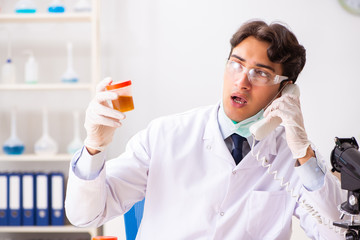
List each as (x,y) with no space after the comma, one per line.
(284,47)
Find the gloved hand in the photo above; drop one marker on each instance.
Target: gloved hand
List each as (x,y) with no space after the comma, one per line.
(101,120)
(287,107)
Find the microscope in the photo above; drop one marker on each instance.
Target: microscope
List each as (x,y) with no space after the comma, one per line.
(345,159)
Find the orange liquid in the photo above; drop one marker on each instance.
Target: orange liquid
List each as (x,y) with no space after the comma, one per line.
(123,103)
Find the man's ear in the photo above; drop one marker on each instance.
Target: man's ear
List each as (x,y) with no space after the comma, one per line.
(284,83)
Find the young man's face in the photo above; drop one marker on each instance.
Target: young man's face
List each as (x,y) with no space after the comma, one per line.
(242,99)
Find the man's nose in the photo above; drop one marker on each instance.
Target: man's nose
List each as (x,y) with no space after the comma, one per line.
(242,81)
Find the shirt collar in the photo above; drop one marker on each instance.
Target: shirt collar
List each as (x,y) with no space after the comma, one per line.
(227,127)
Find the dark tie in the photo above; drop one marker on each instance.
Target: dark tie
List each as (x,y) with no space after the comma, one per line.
(238,144)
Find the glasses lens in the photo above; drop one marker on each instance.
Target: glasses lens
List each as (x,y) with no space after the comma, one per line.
(234,66)
(260,77)
(256,76)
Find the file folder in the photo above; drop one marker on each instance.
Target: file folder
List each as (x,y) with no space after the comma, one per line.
(14,191)
(28,199)
(3,199)
(57,216)
(42,199)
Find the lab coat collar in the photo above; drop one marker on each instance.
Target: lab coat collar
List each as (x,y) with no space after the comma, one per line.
(226,126)
(213,139)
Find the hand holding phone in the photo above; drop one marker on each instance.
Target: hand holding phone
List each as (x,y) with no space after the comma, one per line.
(265,126)
(286,110)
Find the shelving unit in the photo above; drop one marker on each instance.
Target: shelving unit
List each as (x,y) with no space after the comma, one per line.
(35,158)
(48,232)
(46,17)
(15,161)
(92,18)
(40,87)
(50,229)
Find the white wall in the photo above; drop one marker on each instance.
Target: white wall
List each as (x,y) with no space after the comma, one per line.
(175,52)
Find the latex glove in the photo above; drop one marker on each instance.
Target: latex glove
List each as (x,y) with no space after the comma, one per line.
(287,107)
(101,120)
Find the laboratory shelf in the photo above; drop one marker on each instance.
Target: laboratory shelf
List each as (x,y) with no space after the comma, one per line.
(36,158)
(58,162)
(46,17)
(46,229)
(39,87)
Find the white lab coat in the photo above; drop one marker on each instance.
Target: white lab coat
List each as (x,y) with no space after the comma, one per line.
(194,190)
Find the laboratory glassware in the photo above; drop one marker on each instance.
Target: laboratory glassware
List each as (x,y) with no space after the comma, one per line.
(31,69)
(124,102)
(8,71)
(25,6)
(76,143)
(82,6)
(56,6)
(70,75)
(45,145)
(13,145)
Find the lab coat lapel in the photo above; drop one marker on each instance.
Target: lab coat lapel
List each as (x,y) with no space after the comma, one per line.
(266,148)
(213,139)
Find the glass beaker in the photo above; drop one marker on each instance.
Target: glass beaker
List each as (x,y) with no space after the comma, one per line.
(25,6)
(82,6)
(56,6)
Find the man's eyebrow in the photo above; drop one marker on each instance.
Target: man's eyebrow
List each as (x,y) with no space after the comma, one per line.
(238,57)
(265,66)
(258,64)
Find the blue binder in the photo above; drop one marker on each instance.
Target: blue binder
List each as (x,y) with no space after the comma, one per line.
(42,199)
(14,192)
(57,216)
(28,199)
(4,199)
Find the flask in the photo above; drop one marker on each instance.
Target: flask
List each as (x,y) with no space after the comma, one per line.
(70,75)
(56,6)
(25,6)
(31,69)
(13,145)
(45,145)
(8,72)
(76,143)
(124,102)
(82,6)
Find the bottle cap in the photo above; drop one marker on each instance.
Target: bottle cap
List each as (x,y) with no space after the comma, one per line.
(118,85)
(104,237)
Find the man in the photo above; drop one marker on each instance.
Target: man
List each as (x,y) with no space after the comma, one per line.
(199,171)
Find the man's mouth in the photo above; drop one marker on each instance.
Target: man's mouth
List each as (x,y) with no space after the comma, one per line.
(239,100)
